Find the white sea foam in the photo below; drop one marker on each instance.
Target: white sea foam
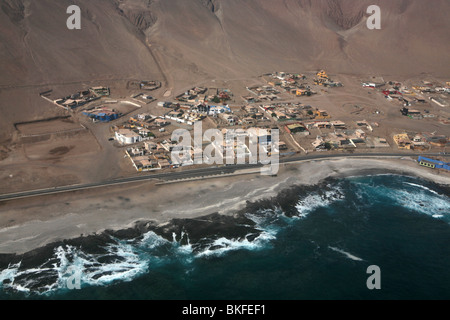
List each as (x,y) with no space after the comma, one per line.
(315,200)
(425,201)
(422,187)
(416,198)
(125,265)
(151,240)
(347,254)
(121,261)
(9,274)
(269,221)
(223,245)
(265,222)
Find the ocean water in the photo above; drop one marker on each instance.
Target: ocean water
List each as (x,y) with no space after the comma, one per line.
(307,243)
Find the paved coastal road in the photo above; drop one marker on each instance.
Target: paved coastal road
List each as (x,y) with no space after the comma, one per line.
(195,173)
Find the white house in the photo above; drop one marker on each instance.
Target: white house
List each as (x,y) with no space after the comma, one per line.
(126,136)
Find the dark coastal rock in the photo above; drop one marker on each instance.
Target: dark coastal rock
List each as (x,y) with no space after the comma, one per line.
(209,227)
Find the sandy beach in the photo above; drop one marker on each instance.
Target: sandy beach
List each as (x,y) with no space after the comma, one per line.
(32,223)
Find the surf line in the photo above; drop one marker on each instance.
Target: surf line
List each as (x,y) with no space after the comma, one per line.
(348,255)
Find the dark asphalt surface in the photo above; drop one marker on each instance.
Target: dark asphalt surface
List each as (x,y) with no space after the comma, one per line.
(194,173)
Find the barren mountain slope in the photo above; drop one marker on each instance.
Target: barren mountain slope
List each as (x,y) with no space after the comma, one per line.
(36,49)
(195,40)
(218,37)
(236,37)
(36,33)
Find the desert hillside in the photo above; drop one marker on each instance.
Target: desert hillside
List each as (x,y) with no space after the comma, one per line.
(253,36)
(181,41)
(218,37)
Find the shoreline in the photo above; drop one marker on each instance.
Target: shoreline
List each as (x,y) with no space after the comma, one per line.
(25,225)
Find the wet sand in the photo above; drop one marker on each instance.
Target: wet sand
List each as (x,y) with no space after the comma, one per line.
(29,224)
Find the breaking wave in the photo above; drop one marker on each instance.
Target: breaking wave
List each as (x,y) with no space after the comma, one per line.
(317,200)
(416,195)
(346,254)
(124,260)
(121,261)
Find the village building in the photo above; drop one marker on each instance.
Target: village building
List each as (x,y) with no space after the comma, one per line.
(295,128)
(322,114)
(280,116)
(230,119)
(150,146)
(126,136)
(260,136)
(251,109)
(101,91)
(102,114)
(161,122)
(338,125)
(402,140)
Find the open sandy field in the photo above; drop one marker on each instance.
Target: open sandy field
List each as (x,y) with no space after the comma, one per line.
(47,127)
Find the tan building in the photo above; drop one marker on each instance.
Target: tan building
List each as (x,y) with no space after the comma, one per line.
(402,140)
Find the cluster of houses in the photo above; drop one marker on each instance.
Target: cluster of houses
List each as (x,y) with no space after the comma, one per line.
(252,115)
(430,88)
(262,93)
(222,114)
(190,114)
(101,91)
(81,98)
(375,82)
(194,95)
(148,121)
(420,141)
(292,83)
(299,121)
(413,98)
(187,117)
(399,92)
(140,128)
(295,111)
(143,97)
(151,156)
(324,80)
(418,95)
(202,95)
(295,84)
(237,146)
(340,139)
(336,135)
